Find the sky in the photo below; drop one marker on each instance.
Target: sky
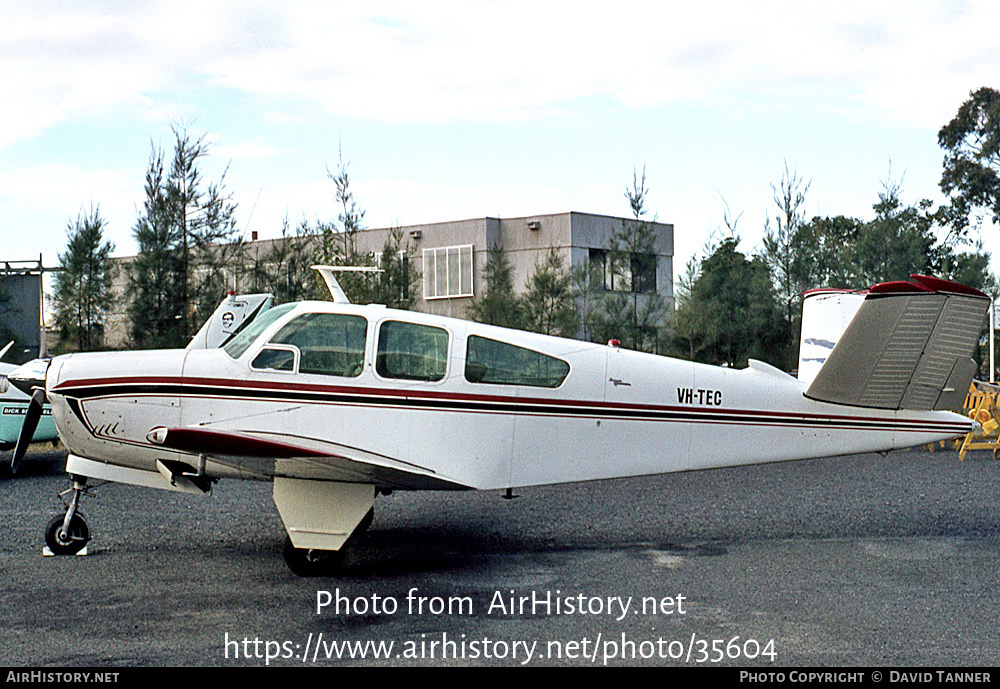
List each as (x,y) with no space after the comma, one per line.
(455,110)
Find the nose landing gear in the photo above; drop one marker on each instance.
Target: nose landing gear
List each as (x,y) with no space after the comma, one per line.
(67,535)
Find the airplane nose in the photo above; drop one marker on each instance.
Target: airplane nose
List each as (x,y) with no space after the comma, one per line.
(30,379)
(29,376)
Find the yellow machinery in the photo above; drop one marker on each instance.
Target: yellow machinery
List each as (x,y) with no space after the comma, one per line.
(981,405)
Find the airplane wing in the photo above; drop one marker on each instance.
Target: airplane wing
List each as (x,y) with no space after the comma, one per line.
(908,347)
(273,453)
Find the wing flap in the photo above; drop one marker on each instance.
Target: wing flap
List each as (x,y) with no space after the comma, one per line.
(279,454)
(908,347)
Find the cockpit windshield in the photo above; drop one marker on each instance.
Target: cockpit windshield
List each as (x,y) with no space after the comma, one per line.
(239,344)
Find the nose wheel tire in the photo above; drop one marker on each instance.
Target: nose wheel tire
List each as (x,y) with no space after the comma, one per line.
(67,542)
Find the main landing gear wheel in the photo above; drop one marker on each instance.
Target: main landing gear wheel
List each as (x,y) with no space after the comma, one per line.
(306,562)
(67,541)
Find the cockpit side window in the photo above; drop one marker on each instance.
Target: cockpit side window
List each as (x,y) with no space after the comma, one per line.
(329,344)
(411,351)
(276,358)
(239,344)
(501,363)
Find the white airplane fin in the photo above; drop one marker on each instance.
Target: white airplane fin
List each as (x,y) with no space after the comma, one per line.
(235,311)
(826,313)
(908,347)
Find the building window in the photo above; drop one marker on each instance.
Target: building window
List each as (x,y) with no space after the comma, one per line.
(638,276)
(644,272)
(410,351)
(500,363)
(448,272)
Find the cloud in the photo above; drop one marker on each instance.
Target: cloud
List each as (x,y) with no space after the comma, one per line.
(483,61)
(38,202)
(245,150)
(33,189)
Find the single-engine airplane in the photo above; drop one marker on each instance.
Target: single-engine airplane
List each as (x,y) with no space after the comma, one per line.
(336,402)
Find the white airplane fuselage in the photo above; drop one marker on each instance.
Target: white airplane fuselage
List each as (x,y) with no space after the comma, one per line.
(616,413)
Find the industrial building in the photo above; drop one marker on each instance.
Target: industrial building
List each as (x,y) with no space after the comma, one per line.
(450,257)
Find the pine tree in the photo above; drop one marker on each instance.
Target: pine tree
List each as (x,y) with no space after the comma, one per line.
(634,312)
(82,297)
(729,310)
(548,304)
(393,283)
(187,237)
(780,252)
(206,225)
(588,290)
(155,276)
(396,283)
(285,269)
(497,305)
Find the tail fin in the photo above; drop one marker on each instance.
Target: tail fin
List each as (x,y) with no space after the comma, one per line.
(233,314)
(909,346)
(826,313)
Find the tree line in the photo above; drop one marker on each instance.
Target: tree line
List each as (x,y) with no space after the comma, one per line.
(730,305)
(188,243)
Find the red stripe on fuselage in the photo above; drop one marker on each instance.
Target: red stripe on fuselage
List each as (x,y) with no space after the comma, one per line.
(750,417)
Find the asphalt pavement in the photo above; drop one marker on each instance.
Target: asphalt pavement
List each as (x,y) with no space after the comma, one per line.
(888,561)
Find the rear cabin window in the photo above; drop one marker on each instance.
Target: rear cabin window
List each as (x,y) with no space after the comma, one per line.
(410,351)
(330,344)
(500,363)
